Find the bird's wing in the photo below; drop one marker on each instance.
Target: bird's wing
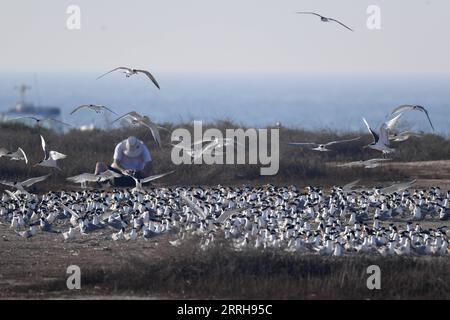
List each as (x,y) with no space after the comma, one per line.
(25,117)
(193,206)
(341,141)
(23,154)
(118,68)
(132,114)
(79,107)
(55,155)
(303,144)
(30,182)
(153,128)
(150,76)
(375,136)
(401,108)
(384,134)
(316,14)
(151,178)
(391,124)
(377,160)
(59,121)
(43,144)
(398,187)
(108,174)
(224,216)
(7,183)
(83,177)
(428,116)
(12,195)
(3,152)
(341,24)
(105,107)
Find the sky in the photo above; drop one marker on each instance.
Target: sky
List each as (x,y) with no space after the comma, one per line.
(209,36)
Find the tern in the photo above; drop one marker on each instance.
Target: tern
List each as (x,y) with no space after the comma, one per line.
(367,164)
(145,121)
(18,155)
(321,147)
(325,19)
(412,107)
(129,72)
(20,186)
(381,140)
(50,158)
(95,107)
(84,178)
(41,120)
(139,182)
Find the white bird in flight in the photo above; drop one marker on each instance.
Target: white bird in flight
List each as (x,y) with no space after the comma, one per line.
(367,164)
(20,186)
(321,147)
(129,72)
(40,120)
(139,182)
(412,107)
(381,140)
(145,121)
(325,19)
(95,107)
(50,158)
(18,155)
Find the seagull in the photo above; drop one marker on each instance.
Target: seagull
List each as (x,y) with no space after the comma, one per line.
(96,108)
(145,121)
(40,120)
(129,72)
(50,158)
(325,19)
(381,141)
(17,155)
(20,186)
(412,107)
(321,147)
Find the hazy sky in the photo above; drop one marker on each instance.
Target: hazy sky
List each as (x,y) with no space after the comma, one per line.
(225,35)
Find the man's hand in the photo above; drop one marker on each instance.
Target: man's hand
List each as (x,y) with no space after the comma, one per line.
(128,172)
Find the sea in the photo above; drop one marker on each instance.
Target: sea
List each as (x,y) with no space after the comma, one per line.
(319,101)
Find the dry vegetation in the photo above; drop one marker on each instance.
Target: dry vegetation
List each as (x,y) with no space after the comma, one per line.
(297,166)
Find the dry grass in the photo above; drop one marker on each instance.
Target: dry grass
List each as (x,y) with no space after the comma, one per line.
(297,166)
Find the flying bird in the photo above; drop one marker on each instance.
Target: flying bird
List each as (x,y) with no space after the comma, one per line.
(381,140)
(321,147)
(18,155)
(367,164)
(145,121)
(41,120)
(412,107)
(325,19)
(95,107)
(139,182)
(20,186)
(50,157)
(129,72)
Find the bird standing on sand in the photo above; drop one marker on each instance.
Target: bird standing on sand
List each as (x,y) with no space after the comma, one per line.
(325,19)
(129,72)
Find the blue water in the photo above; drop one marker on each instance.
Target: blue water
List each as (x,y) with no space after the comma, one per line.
(322,101)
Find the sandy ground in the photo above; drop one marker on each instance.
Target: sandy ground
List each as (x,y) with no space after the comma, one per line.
(25,265)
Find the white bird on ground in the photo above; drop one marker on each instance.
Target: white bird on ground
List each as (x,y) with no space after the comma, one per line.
(321,147)
(325,19)
(50,158)
(69,234)
(412,107)
(129,72)
(20,186)
(381,140)
(95,107)
(145,121)
(18,155)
